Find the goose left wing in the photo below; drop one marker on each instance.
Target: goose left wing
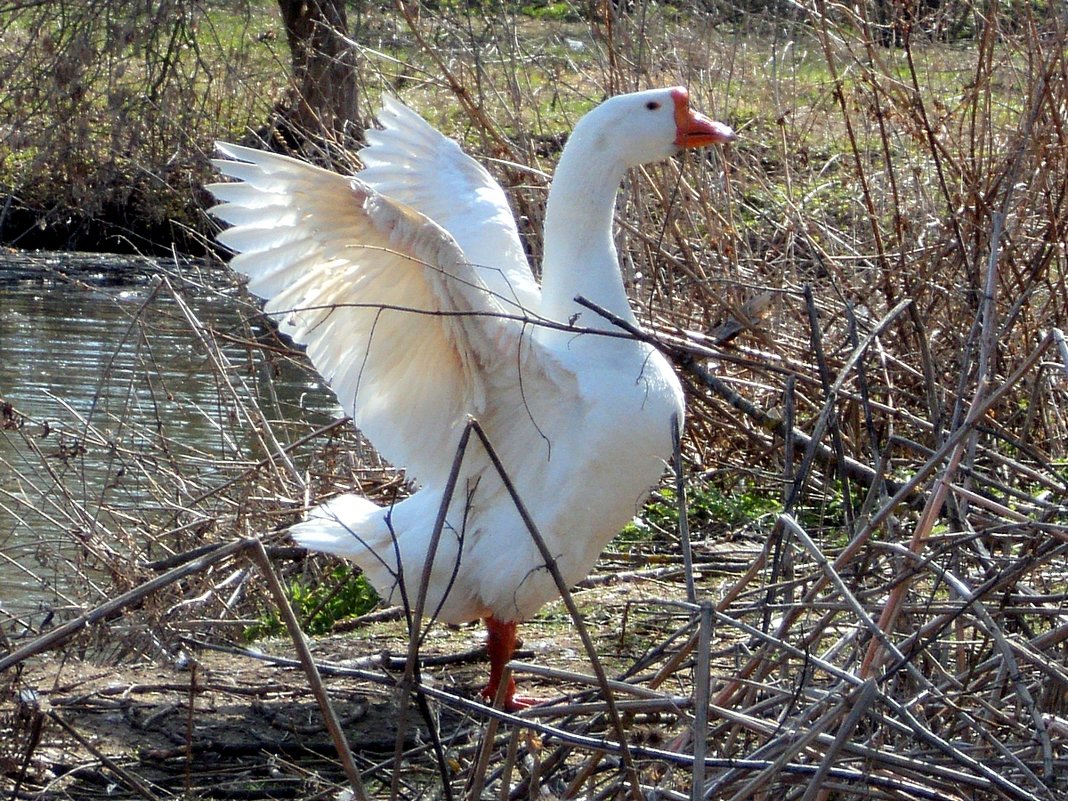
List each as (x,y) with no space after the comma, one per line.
(393,316)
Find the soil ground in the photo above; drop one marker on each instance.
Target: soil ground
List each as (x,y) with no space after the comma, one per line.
(240,725)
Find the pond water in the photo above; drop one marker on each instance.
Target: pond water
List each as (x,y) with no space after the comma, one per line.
(110,376)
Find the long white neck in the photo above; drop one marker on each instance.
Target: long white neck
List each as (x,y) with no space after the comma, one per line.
(580,254)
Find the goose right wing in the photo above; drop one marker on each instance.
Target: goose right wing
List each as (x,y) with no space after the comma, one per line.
(408,160)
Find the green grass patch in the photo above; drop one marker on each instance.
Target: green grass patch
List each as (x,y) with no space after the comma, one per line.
(710,510)
(341,594)
(558,12)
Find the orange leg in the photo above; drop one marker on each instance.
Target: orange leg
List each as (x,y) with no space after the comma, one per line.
(500,644)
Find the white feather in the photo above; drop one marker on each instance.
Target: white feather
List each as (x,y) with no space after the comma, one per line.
(409,288)
(411,162)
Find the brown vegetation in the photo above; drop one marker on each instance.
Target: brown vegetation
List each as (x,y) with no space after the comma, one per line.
(886,247)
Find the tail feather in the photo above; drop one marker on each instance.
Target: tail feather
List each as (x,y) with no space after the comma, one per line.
(354,528)
(374,538)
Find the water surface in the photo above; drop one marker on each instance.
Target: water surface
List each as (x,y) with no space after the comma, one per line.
(115,408)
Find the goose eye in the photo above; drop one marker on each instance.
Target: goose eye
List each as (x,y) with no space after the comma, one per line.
(652,105)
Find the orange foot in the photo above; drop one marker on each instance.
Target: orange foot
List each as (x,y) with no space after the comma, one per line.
(500,644)
(512,702)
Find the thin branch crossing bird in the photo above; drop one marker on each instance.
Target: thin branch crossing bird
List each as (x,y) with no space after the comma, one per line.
(410,289)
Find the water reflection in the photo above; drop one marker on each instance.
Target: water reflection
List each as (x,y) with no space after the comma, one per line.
(115,412)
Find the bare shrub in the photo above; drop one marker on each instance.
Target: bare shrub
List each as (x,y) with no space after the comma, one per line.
(864,297)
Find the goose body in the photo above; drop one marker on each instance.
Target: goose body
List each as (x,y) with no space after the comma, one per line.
(409,286)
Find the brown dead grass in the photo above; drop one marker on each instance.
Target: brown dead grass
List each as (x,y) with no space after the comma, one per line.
(888,241)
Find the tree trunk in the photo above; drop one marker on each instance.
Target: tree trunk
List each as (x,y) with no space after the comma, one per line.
(325,97)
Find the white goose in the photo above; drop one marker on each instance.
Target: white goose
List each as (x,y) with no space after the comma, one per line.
(409,287)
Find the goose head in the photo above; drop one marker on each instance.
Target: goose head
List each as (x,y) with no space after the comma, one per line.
(645,127)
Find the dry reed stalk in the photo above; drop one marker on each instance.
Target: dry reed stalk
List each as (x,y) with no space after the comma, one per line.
(330,717)
(132,781)
(60,634)
(860,209)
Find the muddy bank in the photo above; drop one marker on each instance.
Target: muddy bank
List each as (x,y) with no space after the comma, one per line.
(115,227)
(221,726)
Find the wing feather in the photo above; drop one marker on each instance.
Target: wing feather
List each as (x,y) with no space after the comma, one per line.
(410,161)
(394,317)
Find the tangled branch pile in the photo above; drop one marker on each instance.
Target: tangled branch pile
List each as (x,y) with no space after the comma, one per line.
(864,299)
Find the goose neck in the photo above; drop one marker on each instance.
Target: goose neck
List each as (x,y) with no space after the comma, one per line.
(580,254)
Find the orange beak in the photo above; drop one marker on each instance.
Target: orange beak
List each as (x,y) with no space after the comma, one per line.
(693,129)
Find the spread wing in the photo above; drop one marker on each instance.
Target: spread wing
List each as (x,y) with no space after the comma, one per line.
(394,317)
(408,160)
